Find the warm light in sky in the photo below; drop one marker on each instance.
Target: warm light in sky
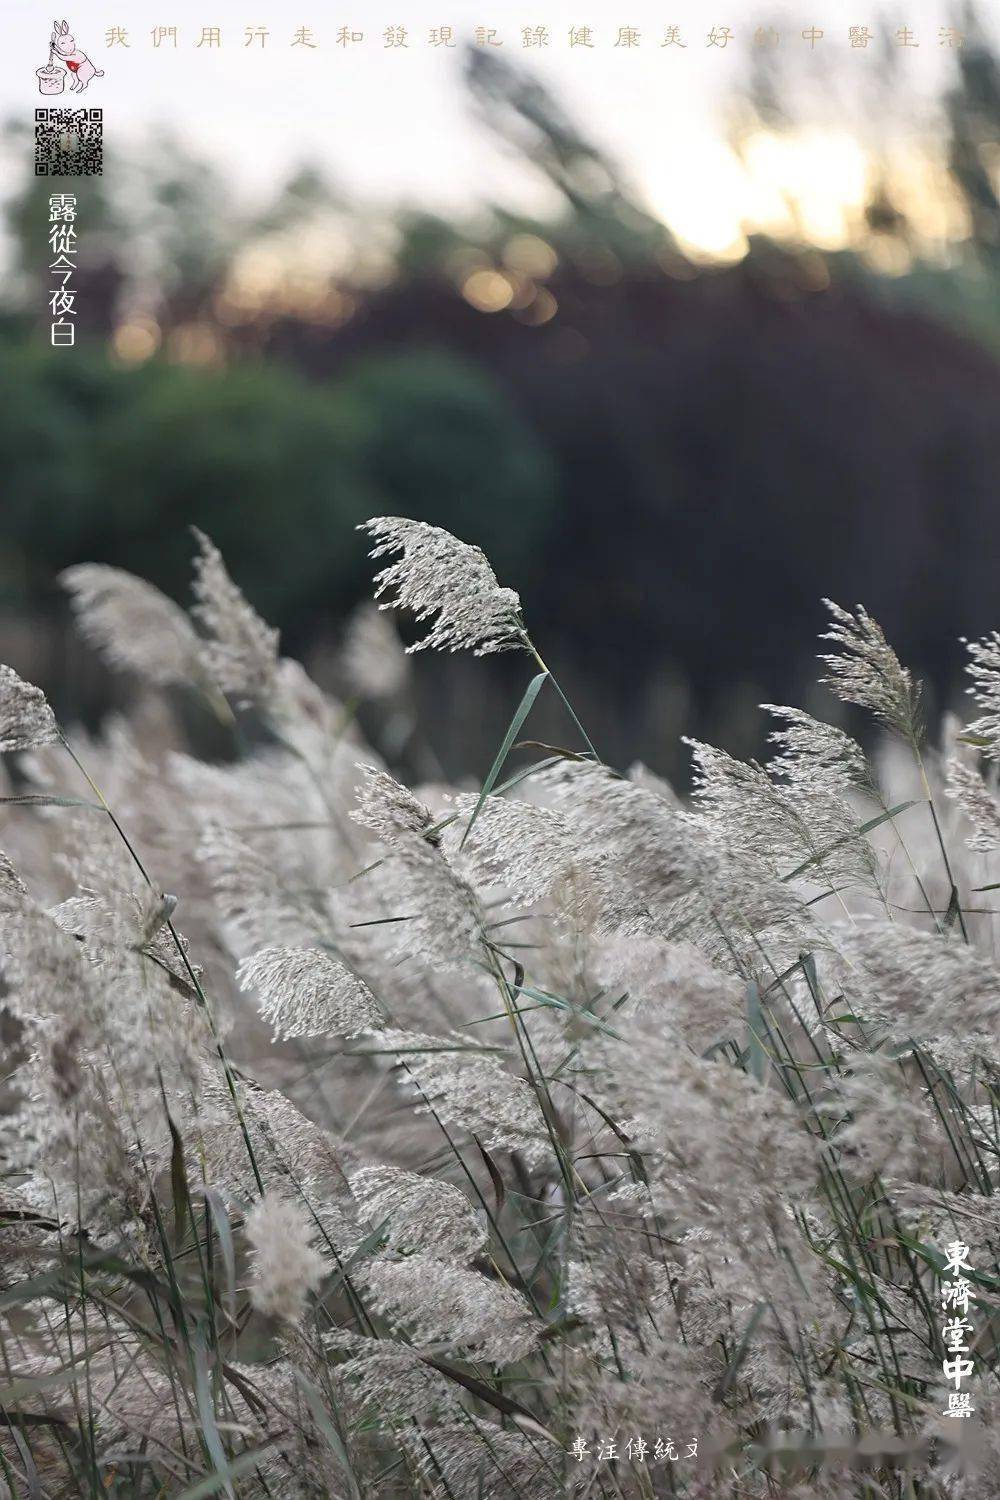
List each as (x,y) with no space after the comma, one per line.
(386,128)
(703,194)
(806,184)
(811,183)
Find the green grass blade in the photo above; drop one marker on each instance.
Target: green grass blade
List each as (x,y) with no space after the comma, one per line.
(213,1483)
(523,710)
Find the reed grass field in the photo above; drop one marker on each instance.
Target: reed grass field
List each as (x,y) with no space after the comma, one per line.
(553,1136)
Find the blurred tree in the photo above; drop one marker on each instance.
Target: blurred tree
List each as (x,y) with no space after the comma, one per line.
(184,230)
(306,193)
(263,462)
(426,241)
(442,442)
(50,408)
(973,111)
(523,113)
(671,463)
(116,464)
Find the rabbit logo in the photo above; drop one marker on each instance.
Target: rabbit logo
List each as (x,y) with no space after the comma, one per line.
(64,51)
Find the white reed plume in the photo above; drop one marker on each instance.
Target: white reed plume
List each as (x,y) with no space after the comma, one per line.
(26,720)
(423,1213)
(372,654)
(133,624)
(983,667)
(437,914)
(437,575)
(470,1089)
(389,809)
(286,1268)
(460,1309)
(308,992)
(530,851)
(865,670)
(241,653)
(967,786)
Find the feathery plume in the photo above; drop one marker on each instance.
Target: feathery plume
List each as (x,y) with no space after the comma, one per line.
(241,654)
(626,1295)
(251,894)
(424,1214)
(642,853)
(133,624)
(286,1268)
(388,808)
(882,1123)
(13,890)
(814,754)
(790,815)
(286,1143)
(316,727)
(118,920)
(675,981)
(528,850)
(470,1089)
(267,798)
(442,923)
(26,720)
(713,1137)
(656,869)
(389,1383)
(868,672)
(372,655)
(746,899)
(934,989)
(306,992)
(984,669)
(45,973)
(486,1461)
(639,774)
(65,1133)
(444,1304)
(439,575)
(967,786)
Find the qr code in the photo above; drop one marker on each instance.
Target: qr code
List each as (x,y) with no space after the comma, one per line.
(69,142)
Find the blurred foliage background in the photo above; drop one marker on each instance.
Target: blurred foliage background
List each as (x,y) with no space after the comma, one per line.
(671,460)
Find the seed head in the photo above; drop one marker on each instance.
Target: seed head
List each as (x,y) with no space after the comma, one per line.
(437,575)
(306,992)
(978,801)
(286,1267)
(26,720)
(372,655)
(868,672)
(241,653)
(485,1319)
(132,624)
(470,1089)
(442,923)
(983,667)
(388,809)
(424,1213)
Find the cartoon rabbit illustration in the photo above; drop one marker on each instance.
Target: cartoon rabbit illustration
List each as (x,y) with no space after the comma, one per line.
(79,64)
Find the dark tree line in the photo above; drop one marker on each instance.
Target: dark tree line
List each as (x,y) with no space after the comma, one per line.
(673,468)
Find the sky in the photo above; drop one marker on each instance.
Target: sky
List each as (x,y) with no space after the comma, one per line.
(389,124)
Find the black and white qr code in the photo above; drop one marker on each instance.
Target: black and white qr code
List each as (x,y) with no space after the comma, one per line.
(69,142)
